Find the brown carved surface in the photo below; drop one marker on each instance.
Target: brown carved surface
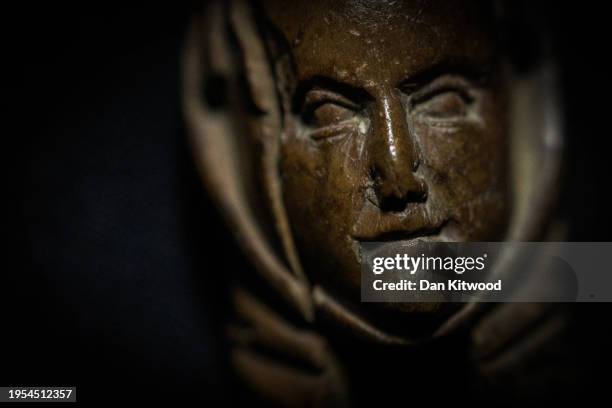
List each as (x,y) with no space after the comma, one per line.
(319,125)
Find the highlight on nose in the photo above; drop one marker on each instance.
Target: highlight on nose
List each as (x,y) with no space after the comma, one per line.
(394,158)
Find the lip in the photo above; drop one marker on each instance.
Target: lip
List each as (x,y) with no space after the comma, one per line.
(429,233)
(414,223)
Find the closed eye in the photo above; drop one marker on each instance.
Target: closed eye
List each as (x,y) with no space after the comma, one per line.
(443,104)
(445,101)
(328,114)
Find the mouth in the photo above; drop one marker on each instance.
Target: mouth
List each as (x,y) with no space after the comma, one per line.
(416,222)
(423,233)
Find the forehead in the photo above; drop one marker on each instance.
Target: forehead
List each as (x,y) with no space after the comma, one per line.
(365,43)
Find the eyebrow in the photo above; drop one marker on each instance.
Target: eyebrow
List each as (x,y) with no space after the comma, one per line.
(353,93)
(462,66)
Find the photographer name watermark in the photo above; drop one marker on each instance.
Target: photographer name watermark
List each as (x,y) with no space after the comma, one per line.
(426,271)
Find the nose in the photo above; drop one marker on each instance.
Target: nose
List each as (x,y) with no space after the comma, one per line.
(394,156)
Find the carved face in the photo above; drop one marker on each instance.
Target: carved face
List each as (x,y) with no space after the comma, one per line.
(394,130)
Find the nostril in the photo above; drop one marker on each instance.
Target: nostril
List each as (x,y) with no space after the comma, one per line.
(395,203)
(391,196)
(392,203)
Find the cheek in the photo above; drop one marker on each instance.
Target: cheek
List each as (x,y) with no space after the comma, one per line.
(301,173)
(471,158)
(466,170)
(322,183)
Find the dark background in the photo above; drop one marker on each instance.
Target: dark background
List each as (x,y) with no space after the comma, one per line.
(112,288)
